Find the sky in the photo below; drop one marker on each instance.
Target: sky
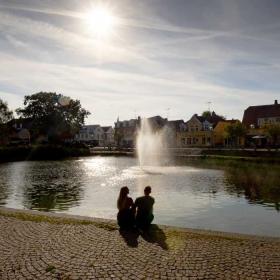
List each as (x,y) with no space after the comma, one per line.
(162,57)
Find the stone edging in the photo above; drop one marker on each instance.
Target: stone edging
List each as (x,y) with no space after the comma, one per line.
(112,225)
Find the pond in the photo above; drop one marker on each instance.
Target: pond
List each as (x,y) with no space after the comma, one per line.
(232,196)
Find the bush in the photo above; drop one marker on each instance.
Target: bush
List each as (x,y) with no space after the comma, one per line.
(41,152)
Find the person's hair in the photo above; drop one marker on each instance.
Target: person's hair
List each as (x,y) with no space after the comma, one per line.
(147,190)
(123,194)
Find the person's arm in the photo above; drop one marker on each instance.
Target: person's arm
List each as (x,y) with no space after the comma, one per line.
(136,202)
(130,202)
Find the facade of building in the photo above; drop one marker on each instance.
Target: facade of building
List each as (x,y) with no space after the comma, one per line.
(257,119)
(19,131)
(198,131)
(109,140)
(96,135)
(157,122)
(221,138)
(262,115)
(126,132)
(172,128)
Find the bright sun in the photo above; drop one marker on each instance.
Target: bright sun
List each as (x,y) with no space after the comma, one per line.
(101,21)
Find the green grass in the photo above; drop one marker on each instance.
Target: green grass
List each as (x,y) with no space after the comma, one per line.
(55,220)
(50,268)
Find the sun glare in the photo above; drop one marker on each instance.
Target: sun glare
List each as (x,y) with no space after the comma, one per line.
(101,21)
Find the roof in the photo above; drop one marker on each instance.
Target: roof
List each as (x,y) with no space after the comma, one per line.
(157,120)
(25,122)
(213,119)
(175,123)
(91,126)
(106,128)
(253,113)
(230,121)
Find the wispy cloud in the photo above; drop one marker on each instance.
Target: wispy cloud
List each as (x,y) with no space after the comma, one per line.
(152,63)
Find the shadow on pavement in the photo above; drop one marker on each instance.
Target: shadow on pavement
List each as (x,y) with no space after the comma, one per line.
(130,236)
(155,235)
(152,235)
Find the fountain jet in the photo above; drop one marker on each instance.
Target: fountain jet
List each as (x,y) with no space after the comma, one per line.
(151,145)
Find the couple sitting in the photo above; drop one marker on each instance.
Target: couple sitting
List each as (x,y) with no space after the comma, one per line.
(139,213)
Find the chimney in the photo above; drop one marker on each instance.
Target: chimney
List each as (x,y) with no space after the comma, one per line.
(275,102)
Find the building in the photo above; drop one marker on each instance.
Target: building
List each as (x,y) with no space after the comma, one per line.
(262,115)
(257,119)
(157,122)
(126,132)
(109,139)
(19,131)
(221,138)
(198,131)
(91,134)
(172,128)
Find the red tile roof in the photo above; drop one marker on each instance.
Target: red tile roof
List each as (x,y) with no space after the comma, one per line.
(253,113)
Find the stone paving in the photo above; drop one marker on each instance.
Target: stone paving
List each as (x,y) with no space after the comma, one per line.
(57,250)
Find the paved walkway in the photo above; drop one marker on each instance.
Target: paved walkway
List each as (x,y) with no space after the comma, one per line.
(48,247)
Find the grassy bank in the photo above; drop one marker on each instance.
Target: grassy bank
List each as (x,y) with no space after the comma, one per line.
(258,181)
(242,153)
(41,152)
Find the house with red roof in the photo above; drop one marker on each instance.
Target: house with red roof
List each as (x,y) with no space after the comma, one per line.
(257,119)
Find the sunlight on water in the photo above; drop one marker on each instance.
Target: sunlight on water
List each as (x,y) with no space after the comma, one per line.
(185,196)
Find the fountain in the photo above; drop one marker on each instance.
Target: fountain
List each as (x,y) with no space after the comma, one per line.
(151,145)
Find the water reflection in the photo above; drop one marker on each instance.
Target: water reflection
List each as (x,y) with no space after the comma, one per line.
(259,184)
(52,197)
(54,185)
(4,186)
(218,195)
(45,186)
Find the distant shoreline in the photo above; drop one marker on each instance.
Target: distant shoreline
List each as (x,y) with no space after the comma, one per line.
(41,152)
(58,152)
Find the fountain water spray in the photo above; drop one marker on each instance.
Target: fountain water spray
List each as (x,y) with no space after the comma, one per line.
(151,145)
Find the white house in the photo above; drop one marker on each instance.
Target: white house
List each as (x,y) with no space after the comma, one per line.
(96,135)
(109,139)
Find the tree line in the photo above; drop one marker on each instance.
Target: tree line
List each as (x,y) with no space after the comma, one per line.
(50,114)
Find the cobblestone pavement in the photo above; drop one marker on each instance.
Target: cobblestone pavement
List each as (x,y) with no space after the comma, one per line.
(44,250)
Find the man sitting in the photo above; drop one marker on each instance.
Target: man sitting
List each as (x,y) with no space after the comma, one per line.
(144,209)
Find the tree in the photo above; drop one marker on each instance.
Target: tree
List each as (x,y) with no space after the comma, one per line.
(273,132)
(5,116)
(235,131)
(56,116)
(208,115)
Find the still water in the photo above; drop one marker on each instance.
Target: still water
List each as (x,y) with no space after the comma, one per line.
(241,198)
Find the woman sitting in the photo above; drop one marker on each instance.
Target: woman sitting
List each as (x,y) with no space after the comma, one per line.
(126,209)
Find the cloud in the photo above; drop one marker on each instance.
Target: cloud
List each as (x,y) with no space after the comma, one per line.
(151,64)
